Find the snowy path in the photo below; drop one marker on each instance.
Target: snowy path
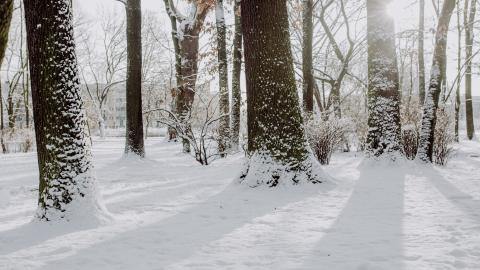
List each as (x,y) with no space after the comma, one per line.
(170,213)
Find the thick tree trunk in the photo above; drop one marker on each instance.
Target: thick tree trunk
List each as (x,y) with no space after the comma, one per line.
(236,73)
(276,138)
(469,26)
(224,128)
(6,9)
(66,185)
(421,52)
(384,131)
(134,121)
(427,132)
(307,53)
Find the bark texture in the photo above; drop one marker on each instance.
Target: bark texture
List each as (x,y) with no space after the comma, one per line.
(421,52)
(429,119)
(384,128)
(236,103)
(307,53)
(66,184)
(134,121)
(6,9)
(469,17)
(276,140)
(224,128)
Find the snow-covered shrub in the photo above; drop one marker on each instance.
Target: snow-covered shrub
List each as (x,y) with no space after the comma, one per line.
(411,120)
(325,136)
(444,137)
(410,141)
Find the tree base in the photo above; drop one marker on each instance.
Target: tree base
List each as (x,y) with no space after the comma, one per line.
(263,170)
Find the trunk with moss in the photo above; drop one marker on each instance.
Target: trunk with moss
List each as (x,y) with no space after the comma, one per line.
(66,184)
(224,128)
(276,140)
(236,86)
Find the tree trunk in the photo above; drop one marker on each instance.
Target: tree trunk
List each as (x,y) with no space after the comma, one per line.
(307,53)
(189,45)
(421,53)
(134,121)
(458,100)
(276,140)
(384,131)
(469,26)
(66,185)
(236,73)
(6,9)
(224,127)
(429,119)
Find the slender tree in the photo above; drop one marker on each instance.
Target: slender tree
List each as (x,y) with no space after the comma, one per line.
(469,21)
(458,100)
(429,119)
(421,52)
(384,131)
(134,121)
(6,9)
(236,86)
(276,140)
(66,185)
(307,53)
(224,128)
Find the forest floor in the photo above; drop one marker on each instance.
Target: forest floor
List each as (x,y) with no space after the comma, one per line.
(168,212)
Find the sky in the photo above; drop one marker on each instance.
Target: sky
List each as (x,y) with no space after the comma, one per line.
(405,13)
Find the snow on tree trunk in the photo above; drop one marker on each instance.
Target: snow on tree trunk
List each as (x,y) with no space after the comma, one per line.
(6,9)
(429,118)
(236,86)
(384,128)
(469,18)
(189,34)
(307,53)
(134,122)
(276,140)
(66,189)
(222,78)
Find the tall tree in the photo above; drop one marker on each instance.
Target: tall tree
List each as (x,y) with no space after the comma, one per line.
(6,9)
(384,130)
(134,120)
(307,53)
(421,52)
(236,73)
(224,128)
(429,119)
(186,32)
(469,21)
(276,138)
(66,184)
(458,99)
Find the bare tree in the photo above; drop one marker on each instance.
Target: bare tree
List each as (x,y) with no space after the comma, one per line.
(236,73)
(469,11)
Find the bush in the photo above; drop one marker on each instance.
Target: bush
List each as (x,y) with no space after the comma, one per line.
(410,141)
(324,137)
(444,137)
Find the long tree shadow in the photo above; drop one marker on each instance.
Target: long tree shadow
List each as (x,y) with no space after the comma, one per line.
(368,233)
(175,238)
(457,197)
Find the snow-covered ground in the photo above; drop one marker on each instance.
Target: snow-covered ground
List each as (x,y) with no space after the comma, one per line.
(168,212)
